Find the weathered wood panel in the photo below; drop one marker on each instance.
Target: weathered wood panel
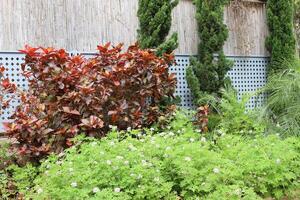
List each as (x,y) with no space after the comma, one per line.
(247,26)
(82,24)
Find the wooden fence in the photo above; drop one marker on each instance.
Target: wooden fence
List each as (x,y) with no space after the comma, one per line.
(82,24)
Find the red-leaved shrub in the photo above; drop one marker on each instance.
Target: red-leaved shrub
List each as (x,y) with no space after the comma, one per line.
(72,95)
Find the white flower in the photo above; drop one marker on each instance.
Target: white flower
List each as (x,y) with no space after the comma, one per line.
(120,157)
(198,131)
(171,133)
(132,148)
(129,128)
(216,170)
(112,143)
(168,148)
(96,189)
(48,166)
(278,161)
(108,162)
(179,131)
(74,184)
(71,169)
(203,139)
(139,176)
(156,179)
(169,127)
(144,162)
(39,191)
(188,159)
(46,172)
(278,125)
(152,129)
(102,153)
(93,144)
(132,174)
(192,140)
(126,162)
(238,192)
(117,189)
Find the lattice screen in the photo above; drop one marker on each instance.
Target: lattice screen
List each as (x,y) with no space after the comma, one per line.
(247,75)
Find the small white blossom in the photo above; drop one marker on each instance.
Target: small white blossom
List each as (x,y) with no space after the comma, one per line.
(168,148)
(71,169)
(108,162)
(156,179)
(132,148)
(120,157)
(152,129)
(112,143)
(198,131)
(132,174)
(179,131)
(171,133)
(74,184)
(144,162)
(278,161)
(129,128)
(93,144)
(192,140)
(139,176)
(102,153)
(169,127)
(203,139)
(188,159)
(238,192)
(126,162)
(96,189)
(39,191)
(48,166)
(46,172)
(278,125)
(216,170)
(117,189)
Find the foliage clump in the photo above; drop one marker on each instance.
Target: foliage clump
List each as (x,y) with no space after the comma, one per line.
(185,167)
(281,42)
(282,105)
(207,73)
(70,95)
(155,17)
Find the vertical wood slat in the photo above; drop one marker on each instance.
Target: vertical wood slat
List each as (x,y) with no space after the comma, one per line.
(82,24)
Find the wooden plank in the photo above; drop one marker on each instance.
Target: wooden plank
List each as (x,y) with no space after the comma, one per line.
(82,24)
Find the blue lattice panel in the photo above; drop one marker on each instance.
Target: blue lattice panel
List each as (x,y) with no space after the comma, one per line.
(247,75)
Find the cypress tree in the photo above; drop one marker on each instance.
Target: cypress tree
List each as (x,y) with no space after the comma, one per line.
(155,19)
(207,72)
(281,42)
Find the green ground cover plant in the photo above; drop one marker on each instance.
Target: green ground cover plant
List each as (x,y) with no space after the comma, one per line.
(173,164)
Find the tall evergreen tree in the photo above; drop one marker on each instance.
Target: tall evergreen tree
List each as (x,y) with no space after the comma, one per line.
(207,72)
(281,42)
(155,19)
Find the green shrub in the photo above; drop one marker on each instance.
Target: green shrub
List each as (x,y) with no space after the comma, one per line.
(235,118)
(155,19)
(281,42)
(283,106)
(207,73)
(173,164)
